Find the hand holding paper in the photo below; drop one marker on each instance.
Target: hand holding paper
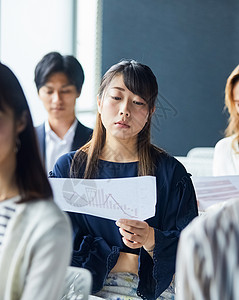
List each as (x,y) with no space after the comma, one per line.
(136,234)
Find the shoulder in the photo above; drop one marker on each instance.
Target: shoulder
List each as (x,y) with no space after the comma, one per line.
(225,142)
(84,128)
(63,165)
(40,130)
(170,172)
(40,127)
(45,215)
(215,222)
(166,162)
(46,209)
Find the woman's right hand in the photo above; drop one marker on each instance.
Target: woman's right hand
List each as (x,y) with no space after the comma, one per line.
(136,234)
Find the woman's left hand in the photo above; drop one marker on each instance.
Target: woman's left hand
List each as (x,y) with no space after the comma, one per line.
(136,234)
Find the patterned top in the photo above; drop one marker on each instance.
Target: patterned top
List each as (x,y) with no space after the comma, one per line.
(207,258)
(7,210)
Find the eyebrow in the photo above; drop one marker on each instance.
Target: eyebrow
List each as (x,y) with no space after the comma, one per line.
(118,88)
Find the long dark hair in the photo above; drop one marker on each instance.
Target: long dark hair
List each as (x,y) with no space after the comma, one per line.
(31,178)
(140,80)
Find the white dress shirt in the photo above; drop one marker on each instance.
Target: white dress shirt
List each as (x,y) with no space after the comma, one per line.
(55,146)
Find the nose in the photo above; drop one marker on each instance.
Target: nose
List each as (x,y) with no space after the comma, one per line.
(125,109)
(56,97)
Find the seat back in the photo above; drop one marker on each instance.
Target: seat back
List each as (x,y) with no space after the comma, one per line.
(199,161)
(201,152)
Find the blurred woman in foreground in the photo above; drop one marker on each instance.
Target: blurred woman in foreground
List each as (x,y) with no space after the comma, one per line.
(35,236)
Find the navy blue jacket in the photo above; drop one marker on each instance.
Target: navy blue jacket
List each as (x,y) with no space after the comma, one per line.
(97,241)
(82,136)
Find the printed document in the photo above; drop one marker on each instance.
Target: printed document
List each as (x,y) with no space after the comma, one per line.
(127,198)
(215,190)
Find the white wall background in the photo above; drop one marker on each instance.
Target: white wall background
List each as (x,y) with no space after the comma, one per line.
(31,28)
(88,51)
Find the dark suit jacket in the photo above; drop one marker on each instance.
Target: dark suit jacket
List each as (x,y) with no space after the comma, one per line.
(82,135)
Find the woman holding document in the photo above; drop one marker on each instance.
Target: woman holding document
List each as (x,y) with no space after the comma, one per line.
(129,258)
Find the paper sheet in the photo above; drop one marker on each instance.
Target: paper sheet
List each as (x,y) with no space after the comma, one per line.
(214,190)
(128,198)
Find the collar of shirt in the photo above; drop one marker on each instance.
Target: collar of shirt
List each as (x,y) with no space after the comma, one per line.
(55,146)
(50,134)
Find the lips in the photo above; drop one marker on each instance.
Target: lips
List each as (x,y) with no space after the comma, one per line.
(57,108)
(122,124)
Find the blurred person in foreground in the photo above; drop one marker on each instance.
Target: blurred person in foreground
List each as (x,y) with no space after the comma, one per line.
(35,235)
(207,265)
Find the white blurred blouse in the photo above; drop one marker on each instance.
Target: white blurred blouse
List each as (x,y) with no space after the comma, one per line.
(226,160)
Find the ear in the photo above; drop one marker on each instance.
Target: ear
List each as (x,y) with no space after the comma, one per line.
(153,110)
(78,94)
(21,123)
(99,104)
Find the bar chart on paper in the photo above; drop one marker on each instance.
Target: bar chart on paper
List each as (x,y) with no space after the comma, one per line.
(111,198)
(213,190)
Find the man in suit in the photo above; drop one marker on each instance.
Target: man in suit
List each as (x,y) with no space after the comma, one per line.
(59,81)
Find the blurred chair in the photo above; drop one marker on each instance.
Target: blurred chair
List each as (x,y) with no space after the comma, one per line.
(201,152)
(198,161)
(77,286)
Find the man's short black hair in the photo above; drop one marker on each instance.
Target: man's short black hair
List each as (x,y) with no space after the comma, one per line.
(54,62)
